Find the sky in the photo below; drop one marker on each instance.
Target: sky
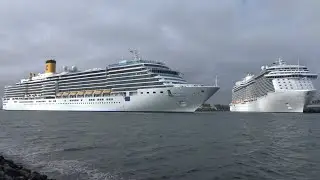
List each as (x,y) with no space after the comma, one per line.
(202,39)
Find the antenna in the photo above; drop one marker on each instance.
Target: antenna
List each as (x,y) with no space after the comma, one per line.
(280,61)
(135,53)
(299,65)
(216,81)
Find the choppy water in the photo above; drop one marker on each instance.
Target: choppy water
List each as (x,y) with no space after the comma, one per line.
(143,146)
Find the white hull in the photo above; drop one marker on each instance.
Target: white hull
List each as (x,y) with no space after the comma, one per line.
(183,99)
(285,101)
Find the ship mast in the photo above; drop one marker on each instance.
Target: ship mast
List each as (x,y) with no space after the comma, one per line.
(298,65)
(280,61)
(216,81)
(135,54)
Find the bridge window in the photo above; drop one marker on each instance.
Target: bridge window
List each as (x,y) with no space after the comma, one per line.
(164,71)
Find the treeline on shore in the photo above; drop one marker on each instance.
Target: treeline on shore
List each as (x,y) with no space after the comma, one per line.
(216,107)
(312,110)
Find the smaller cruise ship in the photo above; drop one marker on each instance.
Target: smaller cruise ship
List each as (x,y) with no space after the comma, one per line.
(279,87)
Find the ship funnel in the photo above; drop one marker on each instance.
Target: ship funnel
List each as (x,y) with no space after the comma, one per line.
(50,66)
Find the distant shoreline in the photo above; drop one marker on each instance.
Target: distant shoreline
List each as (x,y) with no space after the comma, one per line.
(216,107)
(312,110)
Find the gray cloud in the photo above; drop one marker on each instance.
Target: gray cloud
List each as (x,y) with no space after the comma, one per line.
(200,38)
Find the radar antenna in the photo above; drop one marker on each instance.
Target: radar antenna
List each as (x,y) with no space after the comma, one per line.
(135,53)
(216,81)
(299,64)
(280,61)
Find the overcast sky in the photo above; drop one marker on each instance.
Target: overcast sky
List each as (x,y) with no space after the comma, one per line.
(201,39)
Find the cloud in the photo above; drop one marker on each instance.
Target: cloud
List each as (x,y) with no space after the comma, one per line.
(200,38)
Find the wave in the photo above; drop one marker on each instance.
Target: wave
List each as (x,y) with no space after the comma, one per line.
(83,148)
(36,157)
(79,169)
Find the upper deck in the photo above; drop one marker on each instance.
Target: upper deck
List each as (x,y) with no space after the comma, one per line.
(134,62)
(278,69)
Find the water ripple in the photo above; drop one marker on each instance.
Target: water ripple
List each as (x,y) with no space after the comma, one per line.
(164,146)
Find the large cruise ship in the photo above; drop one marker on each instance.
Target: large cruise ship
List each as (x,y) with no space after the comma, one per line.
(130,85)
(279,87)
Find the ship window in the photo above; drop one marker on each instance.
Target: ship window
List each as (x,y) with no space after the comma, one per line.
(141,92)
(161,91)
(154,92)
(147,92)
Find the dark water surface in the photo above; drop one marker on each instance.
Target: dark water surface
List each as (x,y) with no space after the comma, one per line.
(201,146)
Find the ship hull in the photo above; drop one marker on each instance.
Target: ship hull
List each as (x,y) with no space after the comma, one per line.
(172,99)
(286,101)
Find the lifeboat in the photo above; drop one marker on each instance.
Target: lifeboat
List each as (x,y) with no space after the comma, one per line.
(106,91)
(65,94)
(80,93)
(59,94)
(89,92)
(73,93)
(96,92)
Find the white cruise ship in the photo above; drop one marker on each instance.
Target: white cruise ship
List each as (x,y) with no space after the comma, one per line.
(130,85)
(277,88)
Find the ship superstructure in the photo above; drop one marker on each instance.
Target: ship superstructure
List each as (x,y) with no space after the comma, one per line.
(130,85)
(279,87)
